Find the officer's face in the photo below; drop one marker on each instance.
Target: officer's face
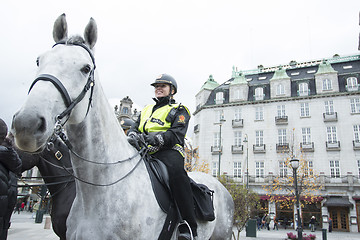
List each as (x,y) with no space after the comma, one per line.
(162,90)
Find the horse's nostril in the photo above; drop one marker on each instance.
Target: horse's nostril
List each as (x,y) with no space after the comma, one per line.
(42,125)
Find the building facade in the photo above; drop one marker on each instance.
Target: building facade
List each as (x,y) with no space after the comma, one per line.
(246,127)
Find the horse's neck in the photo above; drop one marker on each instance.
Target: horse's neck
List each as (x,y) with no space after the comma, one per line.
(100,138)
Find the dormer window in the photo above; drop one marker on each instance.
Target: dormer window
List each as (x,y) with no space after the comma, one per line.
(280,89)
(352,84)
(259,93)
(327,84)
(237,94)
(303,89)
(125,110)
(219,98)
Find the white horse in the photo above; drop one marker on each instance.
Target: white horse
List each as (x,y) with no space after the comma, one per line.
(117,200)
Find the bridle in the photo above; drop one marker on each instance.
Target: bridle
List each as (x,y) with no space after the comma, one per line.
(70,105)
(64,93)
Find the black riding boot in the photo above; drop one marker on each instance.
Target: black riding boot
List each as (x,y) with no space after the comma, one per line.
(180,187)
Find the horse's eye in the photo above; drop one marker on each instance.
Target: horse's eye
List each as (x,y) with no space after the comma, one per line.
(37,62)
(86,69)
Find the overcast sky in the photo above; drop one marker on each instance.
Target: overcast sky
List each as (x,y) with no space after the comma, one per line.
(188,39)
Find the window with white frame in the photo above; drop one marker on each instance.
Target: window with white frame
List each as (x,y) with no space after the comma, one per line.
(304,109)
(306,135)
(219,98)
(259,113)
(356,133)
(259,137)
(303,89)
(217,139)
(237,114)
(329,107)
(309,169)
(219,114)
(215,168)
(355,105)
(237,169)
(352,84)
(236,94)
(281,111)
(259,93)
(331,134)
(280,89)
(283,169)
(334,169)
(358,165)
(237,138)
(259,169)
(327,84)
(282,136)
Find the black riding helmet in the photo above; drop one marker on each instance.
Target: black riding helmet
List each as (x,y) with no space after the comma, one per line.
(126,123)
(166,78)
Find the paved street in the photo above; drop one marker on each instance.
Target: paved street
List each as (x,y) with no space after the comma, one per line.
(23,227)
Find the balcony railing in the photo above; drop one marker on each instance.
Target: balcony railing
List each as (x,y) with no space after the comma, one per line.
(280,120)
(259,148)
(196,128)
(356,144)
(351,88)
(216,149)
(237,123)
(303,93)
(282,147)
(237,148)
(307,147)
(333,146)
(330,117)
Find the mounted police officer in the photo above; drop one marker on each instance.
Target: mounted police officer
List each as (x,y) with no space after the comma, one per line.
(164,125)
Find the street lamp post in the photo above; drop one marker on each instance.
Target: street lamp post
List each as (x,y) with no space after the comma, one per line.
(295,164)
(222,120)
(247,160)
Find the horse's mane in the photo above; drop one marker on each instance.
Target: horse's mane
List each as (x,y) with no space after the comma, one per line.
(76,39)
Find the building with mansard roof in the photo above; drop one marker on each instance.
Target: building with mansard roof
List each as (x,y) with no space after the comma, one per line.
(253,121)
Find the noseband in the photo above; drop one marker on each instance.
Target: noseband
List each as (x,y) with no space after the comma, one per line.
(60,87)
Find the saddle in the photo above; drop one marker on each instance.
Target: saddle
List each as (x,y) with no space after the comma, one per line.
(202,195)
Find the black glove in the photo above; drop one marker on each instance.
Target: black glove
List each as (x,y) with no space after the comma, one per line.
(155,141)
(133,138)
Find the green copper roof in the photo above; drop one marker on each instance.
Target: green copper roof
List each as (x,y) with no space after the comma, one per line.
(280,73)
(325,67)
(239,79)
(210,84)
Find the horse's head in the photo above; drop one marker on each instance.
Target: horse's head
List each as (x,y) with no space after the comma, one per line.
(59,91)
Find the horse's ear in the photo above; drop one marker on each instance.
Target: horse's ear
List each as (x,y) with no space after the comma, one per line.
(60,30)
(90,33)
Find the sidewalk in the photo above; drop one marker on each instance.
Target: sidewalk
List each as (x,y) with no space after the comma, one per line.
(24,227)
(281,234)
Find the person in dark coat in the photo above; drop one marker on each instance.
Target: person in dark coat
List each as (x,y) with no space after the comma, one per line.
(10,166)
(330,224)
(164,125)
(312,223)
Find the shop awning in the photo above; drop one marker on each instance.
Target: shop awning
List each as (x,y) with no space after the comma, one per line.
(356,198)
(338,202)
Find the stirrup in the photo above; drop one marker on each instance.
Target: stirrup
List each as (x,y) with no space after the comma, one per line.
(184,222)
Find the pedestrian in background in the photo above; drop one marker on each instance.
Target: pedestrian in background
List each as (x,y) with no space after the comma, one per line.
(330,224)
(35,209)
(312,223)
(10,166)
